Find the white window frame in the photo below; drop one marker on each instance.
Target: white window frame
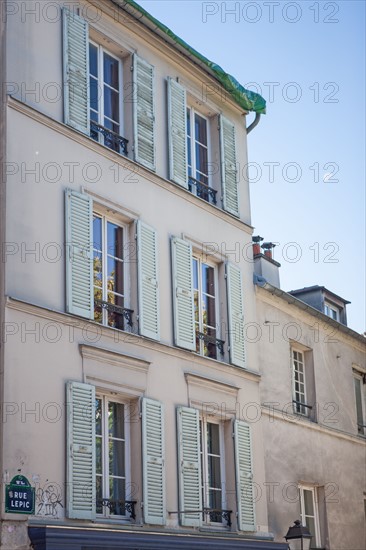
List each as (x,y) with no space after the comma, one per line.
(200,261)
(126,273)
(298,408)
(107,397)
(328,308)
(204,420)
(357,375)
(193,141)
(101,51)
(313,490)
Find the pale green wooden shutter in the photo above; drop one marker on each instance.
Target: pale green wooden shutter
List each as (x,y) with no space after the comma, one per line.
(183,307)
(177,124)
(76,71)
(79,254)
(244,476)
(144,112)
(235,315)
(153,452)
(148,287)
(80,451)
(228,167)
(189,467)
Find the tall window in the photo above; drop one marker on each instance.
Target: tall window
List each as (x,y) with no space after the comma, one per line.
(309,513)
(204,288)
(299,387)
(105,101)
(358,385)
(109,283)
(211,469)
(197,154)
(111,456)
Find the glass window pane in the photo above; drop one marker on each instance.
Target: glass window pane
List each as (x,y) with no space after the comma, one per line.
(98,311)
(115,240)
(111,141)
(200,129)
(195,273)
(310,524)
(93,60)
(97,263)
(94,116)
(116,422)
(188,122)
(201,163)
(99,495)
(215,503)
(111,71)
(115,318)
(196,309)
(111,104)
(214,474)
(98,455)
(115,275)
(97,232)
(117,458)
(208,279)
(94,94)
(208,311)
(117,492)
(358,396)
(98,416)
(308,502)
(189,156)
(213,438)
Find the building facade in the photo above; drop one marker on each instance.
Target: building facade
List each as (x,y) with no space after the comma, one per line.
(124,368)
(313,406)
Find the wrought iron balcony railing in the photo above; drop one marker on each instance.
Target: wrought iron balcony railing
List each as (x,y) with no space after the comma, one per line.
(215,514)
(299,407)
(115,505)
(211,340)
(113,308)
(202,190)
(111,139)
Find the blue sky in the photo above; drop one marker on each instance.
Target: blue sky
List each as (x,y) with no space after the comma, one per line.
(308,153)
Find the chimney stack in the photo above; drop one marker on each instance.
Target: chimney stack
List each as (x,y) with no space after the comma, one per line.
(268,248)
(264,265)
(256,245)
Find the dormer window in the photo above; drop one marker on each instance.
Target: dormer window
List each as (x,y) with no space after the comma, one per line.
(331,310)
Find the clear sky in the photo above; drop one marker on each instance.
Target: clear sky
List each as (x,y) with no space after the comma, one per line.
(307,155)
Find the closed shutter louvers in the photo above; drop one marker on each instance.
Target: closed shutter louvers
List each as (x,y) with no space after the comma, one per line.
(76,71)
(79,263)
(184,328)
(235,315)
(144,113)
(148,286)
(244,476)
(153,462)
(177,119)
(190,499)
(80,451)
(229,166)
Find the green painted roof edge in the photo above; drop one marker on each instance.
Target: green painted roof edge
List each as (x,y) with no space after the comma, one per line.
(248,100)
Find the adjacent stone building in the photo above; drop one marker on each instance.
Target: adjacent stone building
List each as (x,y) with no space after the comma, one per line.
(313,408)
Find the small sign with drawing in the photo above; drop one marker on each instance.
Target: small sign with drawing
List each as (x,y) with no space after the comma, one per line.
(19,496)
